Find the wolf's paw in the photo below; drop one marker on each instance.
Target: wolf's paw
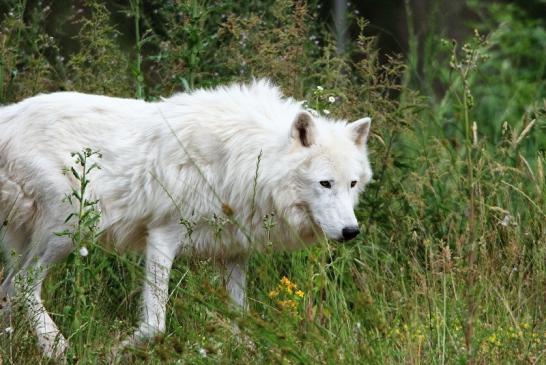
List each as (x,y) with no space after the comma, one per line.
(243,338)
(53,346)
(135,340)
(140,338)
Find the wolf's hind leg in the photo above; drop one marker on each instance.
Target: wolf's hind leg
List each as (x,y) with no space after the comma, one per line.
(50,340)
(28,283)
(12,242)
(25,284)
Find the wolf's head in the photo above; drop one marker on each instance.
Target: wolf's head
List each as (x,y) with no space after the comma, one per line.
(334,171)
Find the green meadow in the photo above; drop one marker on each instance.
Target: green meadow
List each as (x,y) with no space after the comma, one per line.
(450,265)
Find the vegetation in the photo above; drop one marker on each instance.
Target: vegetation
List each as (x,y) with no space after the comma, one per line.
(451,263)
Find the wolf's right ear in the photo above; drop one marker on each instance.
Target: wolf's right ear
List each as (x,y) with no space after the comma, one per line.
(303,129)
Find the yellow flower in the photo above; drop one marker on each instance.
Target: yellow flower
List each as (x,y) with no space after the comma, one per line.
(285,281)
(287,304)
(273,293)
(493,339)
(300,293)
(289,286)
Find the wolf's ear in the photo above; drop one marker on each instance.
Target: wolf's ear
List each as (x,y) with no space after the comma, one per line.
(359,131)
(303,129)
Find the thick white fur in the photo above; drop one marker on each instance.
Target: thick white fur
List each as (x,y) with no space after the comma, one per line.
(221,159)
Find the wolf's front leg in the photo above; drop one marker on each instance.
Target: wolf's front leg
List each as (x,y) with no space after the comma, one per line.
(235,277)
(162,246)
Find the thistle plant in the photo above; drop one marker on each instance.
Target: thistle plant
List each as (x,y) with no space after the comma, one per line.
(85,233)
(87,215)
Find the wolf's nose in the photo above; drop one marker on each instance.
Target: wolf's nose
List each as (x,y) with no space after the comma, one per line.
(350,232)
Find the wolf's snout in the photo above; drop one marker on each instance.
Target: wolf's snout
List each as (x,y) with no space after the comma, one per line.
(350,232)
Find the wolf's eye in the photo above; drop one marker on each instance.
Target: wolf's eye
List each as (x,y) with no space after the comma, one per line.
(353,183)
(326,184)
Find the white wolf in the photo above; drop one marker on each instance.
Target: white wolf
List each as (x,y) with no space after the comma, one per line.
(226,157)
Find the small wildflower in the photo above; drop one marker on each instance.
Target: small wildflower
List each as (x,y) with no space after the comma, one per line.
(506,220)
(326,111)
(84,252)
(8,330)
(492,339)
(285,281)
(320,88)
(287,304)
(273,293)
(202,352)
(331,99)
(286,294)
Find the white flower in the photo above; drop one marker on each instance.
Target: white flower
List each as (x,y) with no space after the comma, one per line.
(83,251)
(326,111)
(8,330)
(506,221)
(331,99)
(203,352)
(320,88)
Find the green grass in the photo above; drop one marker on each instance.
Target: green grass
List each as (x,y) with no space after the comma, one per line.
(451,263)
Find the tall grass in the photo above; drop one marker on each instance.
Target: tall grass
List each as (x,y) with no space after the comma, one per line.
(451,263)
